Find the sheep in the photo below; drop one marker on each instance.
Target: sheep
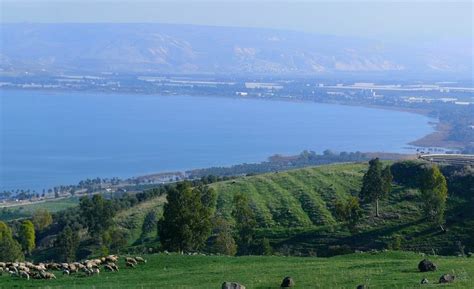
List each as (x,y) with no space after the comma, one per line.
(140,260)
(25,275)
(129,264)
(72,268)
(111,258)
(114,266)
(66,272)
(95,271)
(3,265)
(109,268)
(131,260)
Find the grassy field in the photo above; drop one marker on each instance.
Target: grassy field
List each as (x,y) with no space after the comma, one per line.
(27,210)
(379,270)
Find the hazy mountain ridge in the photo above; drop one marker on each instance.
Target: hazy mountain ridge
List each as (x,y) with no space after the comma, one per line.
(164,48)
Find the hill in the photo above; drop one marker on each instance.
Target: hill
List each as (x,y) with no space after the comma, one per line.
(193,49)
(381,270)
(295,210)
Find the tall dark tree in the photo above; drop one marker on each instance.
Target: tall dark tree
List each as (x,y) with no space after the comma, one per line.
(186,222)
(375,184)
(97,214)
(245,223)
(435,193)
(67,243)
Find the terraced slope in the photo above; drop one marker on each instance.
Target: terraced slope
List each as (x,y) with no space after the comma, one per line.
(296,198)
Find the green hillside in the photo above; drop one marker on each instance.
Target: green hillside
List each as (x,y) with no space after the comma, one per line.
(295,211)
(391,270)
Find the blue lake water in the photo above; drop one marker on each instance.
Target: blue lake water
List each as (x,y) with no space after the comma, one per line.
(54,138)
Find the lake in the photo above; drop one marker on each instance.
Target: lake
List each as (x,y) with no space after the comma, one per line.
(54,138)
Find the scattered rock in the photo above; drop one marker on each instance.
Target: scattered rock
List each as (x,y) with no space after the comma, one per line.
(446,278)
(425,281)
(232,285)
(426,265)
(287,282)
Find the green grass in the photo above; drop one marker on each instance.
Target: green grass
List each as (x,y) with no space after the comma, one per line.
(394,270)
(27,210)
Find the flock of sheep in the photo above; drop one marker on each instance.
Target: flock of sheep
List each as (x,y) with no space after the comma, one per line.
(28,270)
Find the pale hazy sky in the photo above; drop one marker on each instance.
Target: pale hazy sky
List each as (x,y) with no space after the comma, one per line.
(383,19)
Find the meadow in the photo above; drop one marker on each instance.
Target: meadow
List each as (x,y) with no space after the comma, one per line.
(390,269)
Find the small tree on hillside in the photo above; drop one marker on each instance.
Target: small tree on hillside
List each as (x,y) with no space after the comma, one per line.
(10,249)
(42,219)
(349,211)
(376,184)
(245,222)
(26,236)
(435,193)
(186,222)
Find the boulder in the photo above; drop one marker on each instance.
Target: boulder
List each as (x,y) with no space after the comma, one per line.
(426,265)
(287,282)
(232,285)
(446,278)
(425,281)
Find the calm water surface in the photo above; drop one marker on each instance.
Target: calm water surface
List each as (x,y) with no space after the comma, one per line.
(53,138)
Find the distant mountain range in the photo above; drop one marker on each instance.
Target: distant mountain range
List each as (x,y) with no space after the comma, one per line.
(189,49)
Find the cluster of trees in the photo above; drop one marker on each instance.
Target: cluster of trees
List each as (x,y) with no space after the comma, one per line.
(189,223)
(280,163)
(18,238)
(377,185)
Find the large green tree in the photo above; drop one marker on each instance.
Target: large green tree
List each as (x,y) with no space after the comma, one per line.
(26,236)
(10,249)
(376,183)
(245,223)
(186,222)
(435,193)
(97,214)
(67,243)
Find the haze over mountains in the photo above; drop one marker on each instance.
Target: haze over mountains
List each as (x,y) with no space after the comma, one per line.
(192,49)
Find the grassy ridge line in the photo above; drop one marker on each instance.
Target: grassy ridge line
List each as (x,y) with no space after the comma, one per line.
(394,270)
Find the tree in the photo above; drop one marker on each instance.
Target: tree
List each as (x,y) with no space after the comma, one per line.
(97,214)
(42,219)
(349,211)
(150,223)
(224,242)
(245,222)
(10,249)
(387,179)
(435,193)
(375,186)
(26,236)
(186,222)
(67,243)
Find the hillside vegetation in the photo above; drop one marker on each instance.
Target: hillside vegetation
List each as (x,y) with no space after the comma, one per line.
(295,210)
